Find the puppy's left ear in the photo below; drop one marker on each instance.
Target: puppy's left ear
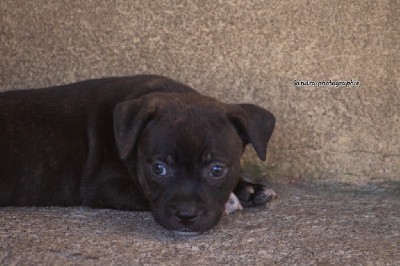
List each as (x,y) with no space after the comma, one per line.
(254,125)
(130,118)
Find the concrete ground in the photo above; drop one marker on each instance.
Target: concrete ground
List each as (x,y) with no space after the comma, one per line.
(307,224)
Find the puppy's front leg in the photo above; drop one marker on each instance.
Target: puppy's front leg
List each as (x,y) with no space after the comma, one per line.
(251,195)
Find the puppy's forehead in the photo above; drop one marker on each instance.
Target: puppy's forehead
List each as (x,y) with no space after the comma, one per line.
(192,110)
(190,101)
(193,128)
(196,119)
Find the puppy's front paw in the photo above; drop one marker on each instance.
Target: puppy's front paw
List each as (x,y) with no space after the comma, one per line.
(251,195)
(232,205)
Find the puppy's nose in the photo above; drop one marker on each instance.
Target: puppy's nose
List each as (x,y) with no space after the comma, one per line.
(186,215)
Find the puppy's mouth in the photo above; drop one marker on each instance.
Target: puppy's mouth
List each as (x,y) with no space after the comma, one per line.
(185,233)
(185,228)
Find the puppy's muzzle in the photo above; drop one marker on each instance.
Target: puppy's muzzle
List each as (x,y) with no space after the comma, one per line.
(186,214)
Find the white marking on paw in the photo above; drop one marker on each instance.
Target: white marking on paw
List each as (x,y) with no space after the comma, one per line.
(233,204)
(250,189)
(269,193)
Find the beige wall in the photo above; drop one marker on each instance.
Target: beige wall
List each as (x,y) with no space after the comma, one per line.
(238,51)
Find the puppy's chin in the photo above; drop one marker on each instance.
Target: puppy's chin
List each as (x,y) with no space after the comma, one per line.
(204,222)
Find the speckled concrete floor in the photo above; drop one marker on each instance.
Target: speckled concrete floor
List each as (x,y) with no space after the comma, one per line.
(307,224)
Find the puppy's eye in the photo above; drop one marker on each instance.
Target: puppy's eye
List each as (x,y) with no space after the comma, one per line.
(218,170)
(159,169)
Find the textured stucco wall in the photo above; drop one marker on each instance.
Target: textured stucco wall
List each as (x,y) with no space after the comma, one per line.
(239,51)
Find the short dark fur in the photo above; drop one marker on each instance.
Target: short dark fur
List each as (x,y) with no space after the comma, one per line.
(91,143)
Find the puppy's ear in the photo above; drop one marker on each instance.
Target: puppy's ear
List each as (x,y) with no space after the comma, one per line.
(254,125)
(130,118)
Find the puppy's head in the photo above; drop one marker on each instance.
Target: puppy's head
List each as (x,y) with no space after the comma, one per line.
(185,149)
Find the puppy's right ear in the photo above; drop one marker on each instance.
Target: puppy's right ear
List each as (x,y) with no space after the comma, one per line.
(130,118)
(254,125)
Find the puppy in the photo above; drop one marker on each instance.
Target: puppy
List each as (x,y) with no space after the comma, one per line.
(130,143)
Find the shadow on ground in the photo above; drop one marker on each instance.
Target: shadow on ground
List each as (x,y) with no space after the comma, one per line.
(308,223)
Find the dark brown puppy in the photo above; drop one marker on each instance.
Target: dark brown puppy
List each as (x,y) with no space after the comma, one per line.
(129,143)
